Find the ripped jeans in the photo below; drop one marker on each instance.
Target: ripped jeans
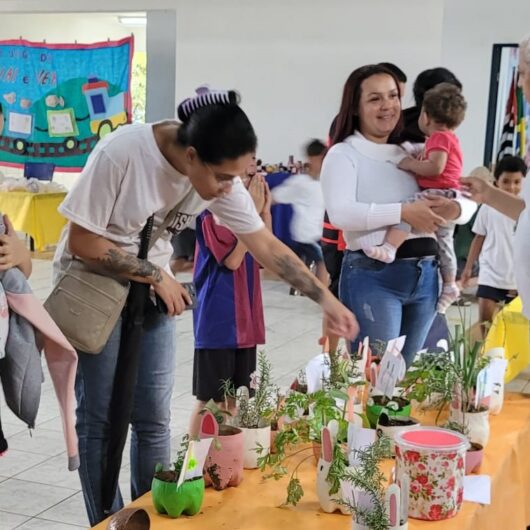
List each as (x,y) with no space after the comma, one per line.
(390,300)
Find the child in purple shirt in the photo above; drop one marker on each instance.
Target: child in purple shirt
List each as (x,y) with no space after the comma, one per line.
(228,320)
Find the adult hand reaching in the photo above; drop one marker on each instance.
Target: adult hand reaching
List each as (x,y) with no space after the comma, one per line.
(338,319)
(477,189)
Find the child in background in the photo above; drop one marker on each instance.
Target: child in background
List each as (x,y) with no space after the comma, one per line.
(228,320)
(438,172)
(304,193)
(493,245)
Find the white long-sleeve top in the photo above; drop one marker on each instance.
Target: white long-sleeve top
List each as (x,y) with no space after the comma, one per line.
(363,190)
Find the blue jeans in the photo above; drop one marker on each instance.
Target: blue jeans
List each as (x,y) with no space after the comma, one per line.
(150,437)
(390,300)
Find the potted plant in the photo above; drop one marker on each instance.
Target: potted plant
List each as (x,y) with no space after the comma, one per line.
(254,413)
(180,490)
(224,463)
(389,426)
(466,407)
(427,382)
(368,497)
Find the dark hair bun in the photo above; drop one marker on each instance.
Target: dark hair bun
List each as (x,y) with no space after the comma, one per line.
(205,97)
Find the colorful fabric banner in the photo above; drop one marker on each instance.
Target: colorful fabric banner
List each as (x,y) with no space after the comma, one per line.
(58,100)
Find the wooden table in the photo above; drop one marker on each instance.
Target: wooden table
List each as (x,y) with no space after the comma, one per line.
(254,504)
(35,214)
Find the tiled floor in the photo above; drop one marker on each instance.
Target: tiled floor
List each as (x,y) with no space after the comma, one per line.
(36,489)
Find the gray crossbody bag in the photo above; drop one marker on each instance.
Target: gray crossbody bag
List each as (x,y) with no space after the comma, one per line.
(87,306)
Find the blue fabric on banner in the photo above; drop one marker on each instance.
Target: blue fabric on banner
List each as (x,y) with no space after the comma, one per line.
(281,213)
(59,100)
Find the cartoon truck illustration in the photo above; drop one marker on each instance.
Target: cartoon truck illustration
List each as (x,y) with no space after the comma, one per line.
(106,112)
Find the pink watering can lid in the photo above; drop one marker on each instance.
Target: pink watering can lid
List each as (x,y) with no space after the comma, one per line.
(432,438)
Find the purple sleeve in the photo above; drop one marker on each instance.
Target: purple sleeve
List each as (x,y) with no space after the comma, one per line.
(219,239)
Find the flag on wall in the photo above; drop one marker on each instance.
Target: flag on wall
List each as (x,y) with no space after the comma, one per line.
(58,100)
(513,136)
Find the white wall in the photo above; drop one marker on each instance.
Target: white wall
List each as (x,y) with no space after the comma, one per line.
(289,58)
(470,29)
(64,27)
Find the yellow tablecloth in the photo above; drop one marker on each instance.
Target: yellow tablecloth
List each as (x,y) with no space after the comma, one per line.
(254,504)
(35,214)
(511,330)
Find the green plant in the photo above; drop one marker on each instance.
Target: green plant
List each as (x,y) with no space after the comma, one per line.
(173,474)
(303,430)
(256,411)
(368,477)
(451,374)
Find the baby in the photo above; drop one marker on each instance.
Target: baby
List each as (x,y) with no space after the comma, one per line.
(438,172)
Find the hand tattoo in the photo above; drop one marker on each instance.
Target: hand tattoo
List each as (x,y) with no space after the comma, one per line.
(129,265)
(299,277)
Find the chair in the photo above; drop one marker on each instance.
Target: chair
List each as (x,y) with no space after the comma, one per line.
(39,170)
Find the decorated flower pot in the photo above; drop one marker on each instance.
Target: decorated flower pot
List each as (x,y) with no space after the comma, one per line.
(252,440)
(375,405)
(173,500)
(476,424)
(389,426)
(474,458)
(224,463)
(434,460)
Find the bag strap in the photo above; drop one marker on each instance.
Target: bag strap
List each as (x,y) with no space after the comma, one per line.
(165,223)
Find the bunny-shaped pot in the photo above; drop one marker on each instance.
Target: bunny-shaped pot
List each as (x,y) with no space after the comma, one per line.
(224,463)
(328,503)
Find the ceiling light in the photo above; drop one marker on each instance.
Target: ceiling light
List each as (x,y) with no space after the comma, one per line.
(133,21)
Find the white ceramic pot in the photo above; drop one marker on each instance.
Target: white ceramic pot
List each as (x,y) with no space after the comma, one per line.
(252,439)
(477,425)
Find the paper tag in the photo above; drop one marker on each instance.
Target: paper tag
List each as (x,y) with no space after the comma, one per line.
(477,488)
(358,438)
(392,368)
(317,370)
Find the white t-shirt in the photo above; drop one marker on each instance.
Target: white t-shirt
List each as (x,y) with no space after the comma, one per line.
(305,195)
(496,258)
(126,180)
(521,250)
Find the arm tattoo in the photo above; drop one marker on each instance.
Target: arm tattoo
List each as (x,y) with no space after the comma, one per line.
(129,265)
(298,276)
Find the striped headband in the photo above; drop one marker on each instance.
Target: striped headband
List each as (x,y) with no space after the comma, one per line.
(204,97)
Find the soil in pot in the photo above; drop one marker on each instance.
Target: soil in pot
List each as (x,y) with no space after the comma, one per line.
(396,421)
(378,404)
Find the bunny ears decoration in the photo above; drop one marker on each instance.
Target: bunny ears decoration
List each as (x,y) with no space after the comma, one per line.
(204,96)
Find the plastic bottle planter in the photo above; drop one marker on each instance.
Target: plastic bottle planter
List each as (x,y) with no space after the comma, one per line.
(375,405)
(173,500)
(497,397)
(328,503)
(252,439)
(224,463)
(477,425)
(183,494)
(434,461)
(389,426)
